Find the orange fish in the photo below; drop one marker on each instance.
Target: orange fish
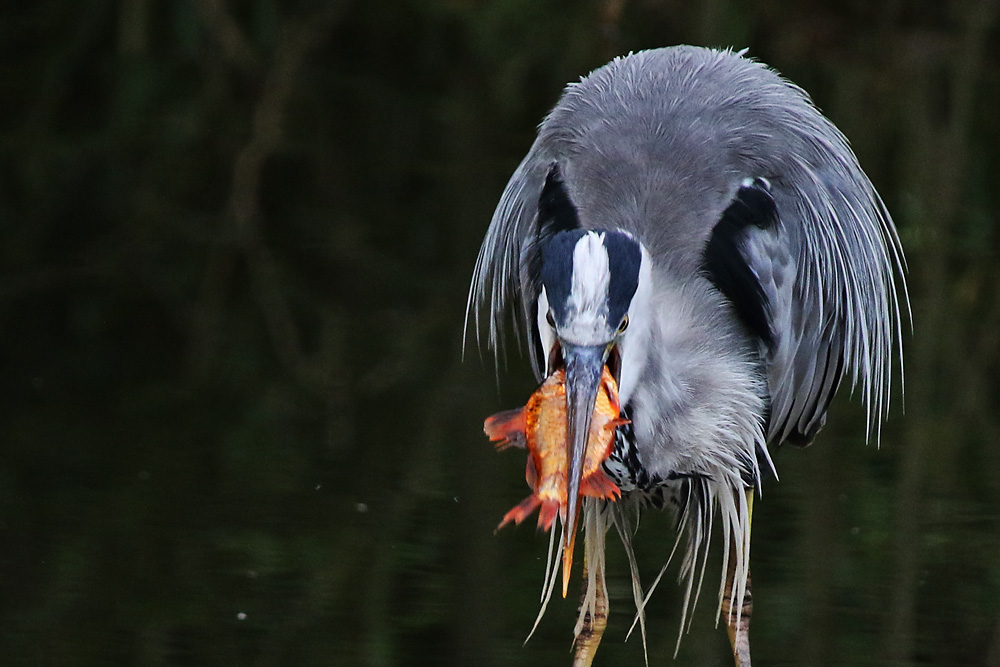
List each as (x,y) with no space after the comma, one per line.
(541,426)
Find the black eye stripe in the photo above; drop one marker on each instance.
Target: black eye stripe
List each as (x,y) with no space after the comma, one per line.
(557,269)
(624,259)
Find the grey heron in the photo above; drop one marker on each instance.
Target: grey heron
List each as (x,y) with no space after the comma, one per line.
(689,219)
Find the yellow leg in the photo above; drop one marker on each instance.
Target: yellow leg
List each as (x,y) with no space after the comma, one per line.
(738,626)
(593,624)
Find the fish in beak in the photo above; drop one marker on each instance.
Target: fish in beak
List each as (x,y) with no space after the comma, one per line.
(568,427)
(584,366)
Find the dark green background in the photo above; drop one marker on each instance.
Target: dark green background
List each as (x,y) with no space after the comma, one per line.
(235,426)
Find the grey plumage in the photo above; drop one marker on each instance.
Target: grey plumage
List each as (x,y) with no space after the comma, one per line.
(660,144)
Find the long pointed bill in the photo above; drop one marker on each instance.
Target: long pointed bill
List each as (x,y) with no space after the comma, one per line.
(584,364)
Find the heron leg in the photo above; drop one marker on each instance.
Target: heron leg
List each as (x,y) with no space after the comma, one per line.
(738,625)
(594,623)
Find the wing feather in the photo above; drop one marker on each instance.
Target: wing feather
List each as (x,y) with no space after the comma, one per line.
(500,279)
(829,272)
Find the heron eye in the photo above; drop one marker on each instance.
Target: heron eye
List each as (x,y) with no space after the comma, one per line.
(624,324)
(550,319)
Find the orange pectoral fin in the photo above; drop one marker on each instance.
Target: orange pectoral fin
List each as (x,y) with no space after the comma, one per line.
(520,512)
(599,485)
(506,429)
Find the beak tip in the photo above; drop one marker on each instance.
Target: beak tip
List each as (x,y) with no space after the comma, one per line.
(569,544)
(567,571)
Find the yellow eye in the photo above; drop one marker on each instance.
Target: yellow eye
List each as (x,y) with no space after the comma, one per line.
(624,324)
(550,319)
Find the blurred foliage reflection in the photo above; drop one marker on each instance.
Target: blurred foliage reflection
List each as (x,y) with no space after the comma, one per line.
(235,239)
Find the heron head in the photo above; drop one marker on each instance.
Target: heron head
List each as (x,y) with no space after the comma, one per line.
(589,283)
(594,291)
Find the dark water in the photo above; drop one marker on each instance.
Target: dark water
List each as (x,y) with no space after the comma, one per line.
(235,240)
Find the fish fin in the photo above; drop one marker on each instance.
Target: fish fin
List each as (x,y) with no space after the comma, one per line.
(548,513)
(530,473)
(599,485)
(612,390)
(520,512)
(506,429)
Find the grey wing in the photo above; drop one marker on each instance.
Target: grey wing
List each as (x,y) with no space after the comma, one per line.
(805,362)
(828,271)
(501,279)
